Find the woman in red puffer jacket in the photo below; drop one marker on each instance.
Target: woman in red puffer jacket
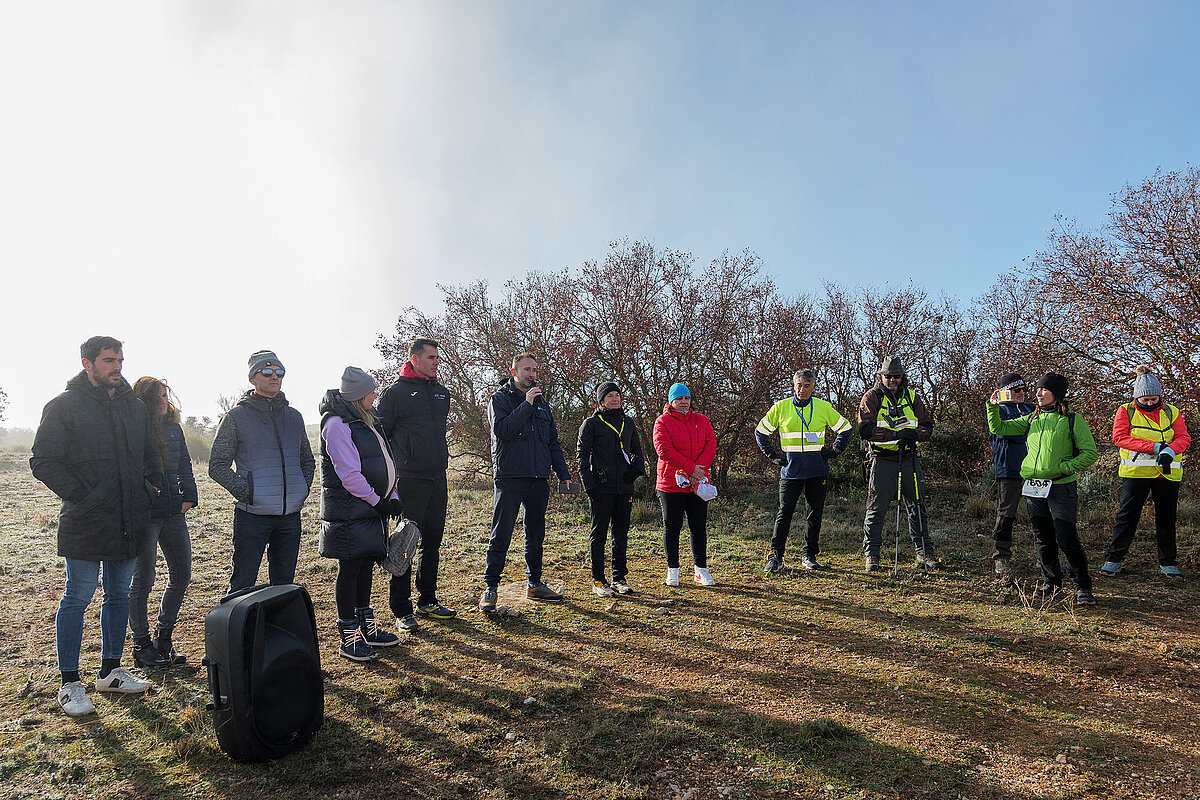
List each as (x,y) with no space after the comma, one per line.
(686,445)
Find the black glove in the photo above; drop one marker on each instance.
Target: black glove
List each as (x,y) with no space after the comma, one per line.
(1164,460)
(907,436)
(593,493)
(828,453)
(631,475)
(779,459)
(390,508)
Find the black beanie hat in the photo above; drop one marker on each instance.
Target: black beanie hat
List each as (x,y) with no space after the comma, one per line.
(605,388)
(1056,384)
(1009,380)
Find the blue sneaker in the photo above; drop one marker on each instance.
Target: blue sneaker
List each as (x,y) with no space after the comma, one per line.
(1110,568)
(1171,572)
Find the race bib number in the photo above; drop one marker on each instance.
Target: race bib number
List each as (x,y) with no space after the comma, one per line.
(1037,487)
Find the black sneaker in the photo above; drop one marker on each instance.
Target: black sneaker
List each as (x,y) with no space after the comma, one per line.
(774,564)
(1045,593)
(487,600)
(1084,598)
(543,593)
(436,610)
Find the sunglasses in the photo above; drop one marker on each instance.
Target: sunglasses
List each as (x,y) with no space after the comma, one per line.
(269,372)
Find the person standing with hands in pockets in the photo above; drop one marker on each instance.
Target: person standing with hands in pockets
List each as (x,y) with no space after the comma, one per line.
(610,460)
(1059,446)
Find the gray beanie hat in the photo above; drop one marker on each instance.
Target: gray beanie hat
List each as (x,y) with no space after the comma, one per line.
(261,360)
(1147,385)
(357,383)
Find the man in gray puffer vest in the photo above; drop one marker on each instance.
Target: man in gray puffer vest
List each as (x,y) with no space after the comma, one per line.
(275,468)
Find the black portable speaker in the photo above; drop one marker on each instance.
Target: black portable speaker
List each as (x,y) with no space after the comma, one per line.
(264,672)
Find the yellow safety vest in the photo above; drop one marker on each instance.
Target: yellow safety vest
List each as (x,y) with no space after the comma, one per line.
(1145,465)
(886,413)
(802,430)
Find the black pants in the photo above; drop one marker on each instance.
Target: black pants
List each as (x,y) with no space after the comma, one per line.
(1054,528)
(353,587)
(1009,492)
(789,496)
(1134,492)
(609,509)
(674,506)
(425,504)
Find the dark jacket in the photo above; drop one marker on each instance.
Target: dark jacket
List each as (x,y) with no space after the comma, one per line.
(275,464)
(608,462)
(1009,451)
(97,453)
(179,484)
(413,413)
(524,438)
(350,526)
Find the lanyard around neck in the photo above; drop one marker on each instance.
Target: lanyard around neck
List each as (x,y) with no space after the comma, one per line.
(800,412)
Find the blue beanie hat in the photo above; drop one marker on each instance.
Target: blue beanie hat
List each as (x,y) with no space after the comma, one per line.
(677,391)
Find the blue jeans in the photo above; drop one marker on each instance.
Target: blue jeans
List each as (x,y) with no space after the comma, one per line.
(254,534)
(510,495)
(82,579)
(171,534)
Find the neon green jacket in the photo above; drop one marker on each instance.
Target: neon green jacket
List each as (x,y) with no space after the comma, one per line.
(1048,436)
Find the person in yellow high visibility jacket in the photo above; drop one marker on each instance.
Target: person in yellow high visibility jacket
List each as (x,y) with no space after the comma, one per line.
(1152,437)
(892,419)
(801,421)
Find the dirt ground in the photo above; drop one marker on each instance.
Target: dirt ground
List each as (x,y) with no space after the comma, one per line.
(831,684)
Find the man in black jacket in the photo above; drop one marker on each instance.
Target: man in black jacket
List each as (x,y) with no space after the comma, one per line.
(610,460)
(95,449)
(525,448)
(413,413)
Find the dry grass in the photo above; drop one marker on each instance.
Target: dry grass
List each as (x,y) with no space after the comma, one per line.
(799,685)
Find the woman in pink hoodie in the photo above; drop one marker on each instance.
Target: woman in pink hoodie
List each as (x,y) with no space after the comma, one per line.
(686,445)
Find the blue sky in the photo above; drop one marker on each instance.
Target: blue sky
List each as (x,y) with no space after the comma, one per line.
(204,179)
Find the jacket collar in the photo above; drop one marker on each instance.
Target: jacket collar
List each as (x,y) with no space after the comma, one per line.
(408,372)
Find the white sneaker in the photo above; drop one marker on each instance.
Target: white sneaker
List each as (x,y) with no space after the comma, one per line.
(672,576)
(74,700)
(703,578)
(122,682)
(602,589)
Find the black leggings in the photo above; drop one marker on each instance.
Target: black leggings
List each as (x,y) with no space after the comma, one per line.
(674,506)
(353,587)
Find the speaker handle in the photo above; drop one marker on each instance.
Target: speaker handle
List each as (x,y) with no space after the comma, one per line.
(239,592)
(214,691)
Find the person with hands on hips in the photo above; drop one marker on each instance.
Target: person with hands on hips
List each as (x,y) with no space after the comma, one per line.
(1152,437)
(1059,444)
(610,460)
(686,445)
(358,499)
(803,457)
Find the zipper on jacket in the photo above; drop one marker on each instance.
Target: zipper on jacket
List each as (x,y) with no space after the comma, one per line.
(282,458)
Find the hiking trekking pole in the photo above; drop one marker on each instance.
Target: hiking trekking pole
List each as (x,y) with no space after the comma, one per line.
(899,484)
